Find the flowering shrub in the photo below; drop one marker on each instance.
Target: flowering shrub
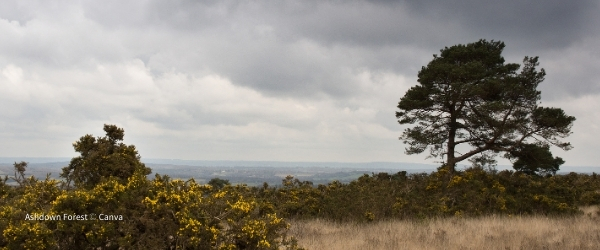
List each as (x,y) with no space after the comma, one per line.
(128,211)
(114,206)
(170,214)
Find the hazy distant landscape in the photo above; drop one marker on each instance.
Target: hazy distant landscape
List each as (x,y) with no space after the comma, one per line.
(252,173)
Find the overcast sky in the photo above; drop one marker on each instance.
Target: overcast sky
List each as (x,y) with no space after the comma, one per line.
(268,80)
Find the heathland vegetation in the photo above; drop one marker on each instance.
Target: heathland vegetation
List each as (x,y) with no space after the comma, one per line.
(468,99)
(486,232)
(130,211)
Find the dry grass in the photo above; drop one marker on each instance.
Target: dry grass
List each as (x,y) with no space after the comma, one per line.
(582,232)
(591,211)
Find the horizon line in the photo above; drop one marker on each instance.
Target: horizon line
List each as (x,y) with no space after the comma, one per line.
(153,161)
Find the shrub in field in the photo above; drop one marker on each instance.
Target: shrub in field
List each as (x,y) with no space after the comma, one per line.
(295,198)
(139,214)
(31,198)
(114,206)
(103,157)
(471,192)
(131,212)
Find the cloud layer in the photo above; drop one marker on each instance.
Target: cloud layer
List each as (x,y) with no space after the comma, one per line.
(262,80)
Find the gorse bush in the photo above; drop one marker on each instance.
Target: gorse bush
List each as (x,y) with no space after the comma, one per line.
(472,192)
(114,206)
(103,157)
(141,214)
(125,210)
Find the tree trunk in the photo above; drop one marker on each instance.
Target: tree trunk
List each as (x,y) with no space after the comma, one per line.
(450,158)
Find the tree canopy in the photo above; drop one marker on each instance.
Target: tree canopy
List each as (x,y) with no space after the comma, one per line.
(469,100)
(103,157)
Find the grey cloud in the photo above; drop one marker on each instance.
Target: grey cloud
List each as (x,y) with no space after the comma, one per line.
(374,33)
(548,24)
(329,72)
(572,72)
(279,70)
(257,44)
(156,15)
(272,61)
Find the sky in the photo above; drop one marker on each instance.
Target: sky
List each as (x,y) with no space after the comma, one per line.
(268,80)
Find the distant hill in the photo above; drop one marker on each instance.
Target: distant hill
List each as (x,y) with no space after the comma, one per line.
(251,172)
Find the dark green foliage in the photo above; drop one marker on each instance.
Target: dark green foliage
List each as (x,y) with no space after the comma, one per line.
(218,183)
(535,159)
(295,198)
(472,192)
(468,96)
(591,194)
(20,173)
(146,214)
(103,157)
(174,214)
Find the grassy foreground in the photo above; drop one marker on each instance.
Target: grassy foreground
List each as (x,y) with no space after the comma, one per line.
(516,232)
